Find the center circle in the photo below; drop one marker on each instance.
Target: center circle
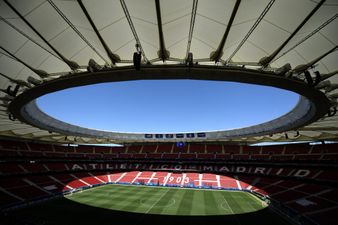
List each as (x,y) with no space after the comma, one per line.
(161,106)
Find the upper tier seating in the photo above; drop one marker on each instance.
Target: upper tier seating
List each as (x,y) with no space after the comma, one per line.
(298,152)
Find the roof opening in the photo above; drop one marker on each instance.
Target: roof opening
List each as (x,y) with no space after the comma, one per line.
(161,106)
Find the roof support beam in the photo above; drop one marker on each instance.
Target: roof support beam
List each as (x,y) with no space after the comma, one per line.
(162,53)
(114,58)
(40,73)
(131,24)
(301,68)
(328,75)
(63,16)
(308,36)
(216,55)
(192,24)
(73,65)
(260,18)
(265,61)
(28,37)
(19,82)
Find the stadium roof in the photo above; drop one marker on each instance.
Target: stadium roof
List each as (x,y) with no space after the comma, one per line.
(45,40)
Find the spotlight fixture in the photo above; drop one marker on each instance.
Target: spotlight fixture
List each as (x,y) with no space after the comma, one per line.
(308,78)
(317,78)
(11,92)
(323,84)
(93,66)
(297,134)
(335,95)
(328,75)
(333,101)
(190,60)
(11,117)
(137,58)
(331,88)
(16,81)
(332,112)
(286,136)
(283,70)
(7,98)
(34,81)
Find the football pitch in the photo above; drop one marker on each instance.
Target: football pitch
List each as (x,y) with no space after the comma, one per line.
(169,201)
(128,204)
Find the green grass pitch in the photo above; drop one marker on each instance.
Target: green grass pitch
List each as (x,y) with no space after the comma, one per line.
(169,201)
(122,204)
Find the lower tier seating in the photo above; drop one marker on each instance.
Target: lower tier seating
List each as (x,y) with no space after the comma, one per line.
(310,200)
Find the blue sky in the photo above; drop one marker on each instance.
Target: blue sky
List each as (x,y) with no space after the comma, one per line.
(168,106)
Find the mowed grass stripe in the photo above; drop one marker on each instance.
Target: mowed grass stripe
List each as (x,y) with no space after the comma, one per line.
(93,194)
(236,203)
(198,208)
(115,200)
(176,196)
(110,197)
(168,201)
(246,203)
(211,205)
(128,202)
(141,200)
(185,205)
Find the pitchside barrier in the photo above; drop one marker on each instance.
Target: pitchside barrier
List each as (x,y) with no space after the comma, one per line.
(44,199)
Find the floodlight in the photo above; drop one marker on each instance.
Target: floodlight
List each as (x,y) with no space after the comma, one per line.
(331,88)
(323,84)
(34,81)
(11,92)
(137,60)
(284,69)
(190,59)
(308,78)
(93,66)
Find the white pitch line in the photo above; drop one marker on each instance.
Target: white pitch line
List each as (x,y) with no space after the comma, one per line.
(159,199)
(231,210)
(228,204)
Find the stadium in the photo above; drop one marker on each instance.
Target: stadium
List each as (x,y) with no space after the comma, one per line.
(280,171)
